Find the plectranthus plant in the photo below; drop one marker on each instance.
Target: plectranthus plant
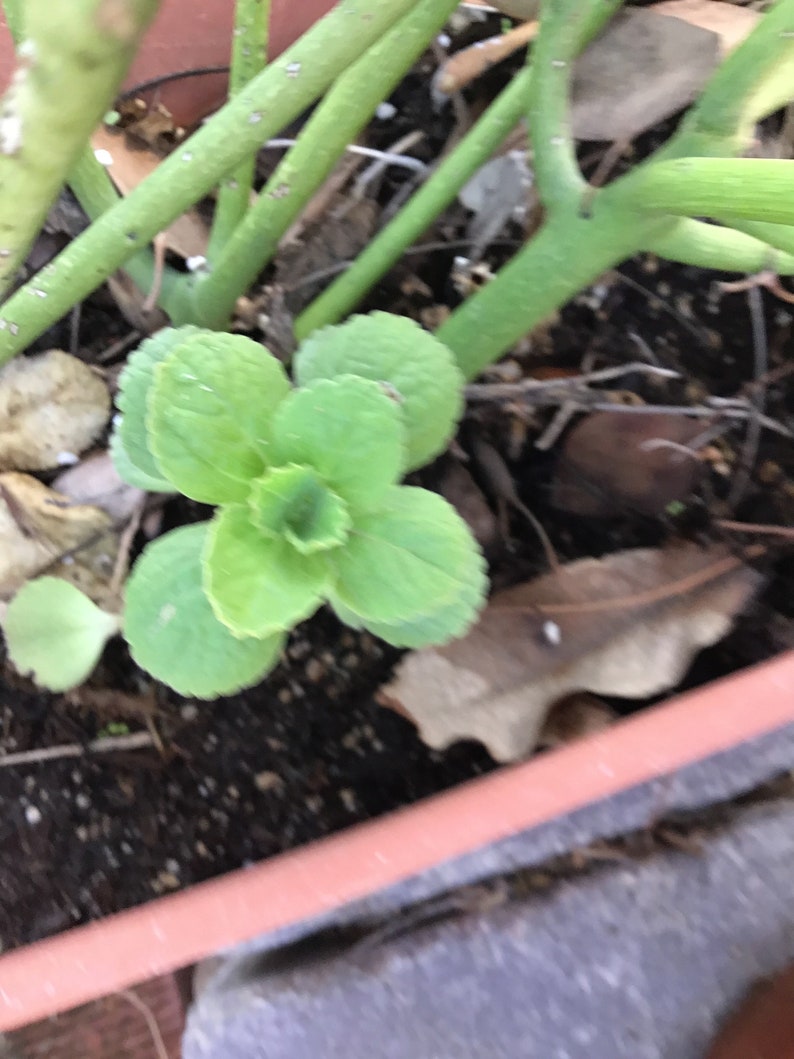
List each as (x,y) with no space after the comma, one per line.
(309,509)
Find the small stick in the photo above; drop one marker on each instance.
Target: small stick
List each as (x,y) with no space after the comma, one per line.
(469,63)
(787,532)
(106,745)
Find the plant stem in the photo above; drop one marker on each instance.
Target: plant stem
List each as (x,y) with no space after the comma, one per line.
(710,246)
(249,55)
(91,183)
(435,195)
(756,188)
(780,236)
(439,191)
(268,103)
(69,68)
(337,121)
(567,254)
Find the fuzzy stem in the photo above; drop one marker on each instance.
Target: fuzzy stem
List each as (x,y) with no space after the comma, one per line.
(755,188)
(69,69)
(249,55)
(567,254)
(336,122)
(710,246)
(268,103)
(434,196)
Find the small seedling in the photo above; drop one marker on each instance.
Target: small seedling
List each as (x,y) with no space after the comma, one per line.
(309,508)
(55,634)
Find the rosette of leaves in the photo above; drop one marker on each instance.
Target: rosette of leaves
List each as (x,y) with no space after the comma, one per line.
(309,508)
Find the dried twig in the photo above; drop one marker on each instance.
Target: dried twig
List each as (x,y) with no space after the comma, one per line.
(106,745)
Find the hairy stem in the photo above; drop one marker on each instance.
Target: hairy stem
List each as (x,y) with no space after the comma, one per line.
(435,195)
(268,103)
(249,55)
(568,253)
(69,68)
(755,188)
(337,121)
(710,246)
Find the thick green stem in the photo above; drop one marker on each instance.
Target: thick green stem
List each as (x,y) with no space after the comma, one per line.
(434,196)
(268,103)
(337,121)
(710,246)
(759,189)
(69,69)
(565,26)
(249,55)
(568,253)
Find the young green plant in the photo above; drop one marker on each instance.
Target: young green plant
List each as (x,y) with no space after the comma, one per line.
(309,509)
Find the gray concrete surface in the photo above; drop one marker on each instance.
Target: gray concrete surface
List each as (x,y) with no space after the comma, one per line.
(637,961)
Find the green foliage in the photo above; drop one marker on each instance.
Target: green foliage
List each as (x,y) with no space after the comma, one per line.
(427,383)
(56,634)
(309,505)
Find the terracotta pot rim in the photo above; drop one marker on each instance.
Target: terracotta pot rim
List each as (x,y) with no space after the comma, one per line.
(171,932)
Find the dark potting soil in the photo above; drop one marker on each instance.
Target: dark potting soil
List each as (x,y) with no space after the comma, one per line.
(310,751)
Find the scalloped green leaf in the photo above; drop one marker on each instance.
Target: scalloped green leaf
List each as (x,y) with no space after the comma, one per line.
(350,431)
(445,623)
(396,351)
(292,501)
(55,634)
(406,562)
(258,584)
(172,630)
(210,414)
(131,435)
(131,474)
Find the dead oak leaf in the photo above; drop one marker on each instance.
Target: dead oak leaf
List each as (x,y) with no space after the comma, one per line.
(628,625)
(52,406)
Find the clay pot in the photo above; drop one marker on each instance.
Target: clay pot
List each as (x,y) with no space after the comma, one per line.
(194,35)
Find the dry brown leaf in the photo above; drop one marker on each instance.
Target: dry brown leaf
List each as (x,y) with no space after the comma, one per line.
(96,481)
(643,68)
(128,166)
(626,625)
(52,406)
(41,530)
(731,22)
(613,461)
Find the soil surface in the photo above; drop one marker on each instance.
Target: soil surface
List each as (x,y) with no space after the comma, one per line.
(311,751)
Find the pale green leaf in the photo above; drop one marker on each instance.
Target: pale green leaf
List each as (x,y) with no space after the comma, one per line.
(420,370)
(406,562)
(56,634)
(259,584)
(210,413)
(349,431)
(131,434)
(131,474)
(292,502)
(448,622)
(172,630)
